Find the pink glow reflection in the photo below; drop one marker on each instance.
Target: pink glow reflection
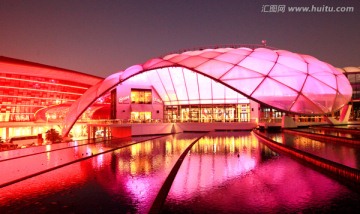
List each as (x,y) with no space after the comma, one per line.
(209,180)
(57,180)
(213,161)
(28,165)
(140,187)
(141,169)
(281,186)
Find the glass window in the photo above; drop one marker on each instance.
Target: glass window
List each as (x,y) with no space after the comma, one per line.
(230,114)
(185,114)
(140,117)
(194,114)
(147,97)
(141,96)
(219,113)
(243,114)
(206,114)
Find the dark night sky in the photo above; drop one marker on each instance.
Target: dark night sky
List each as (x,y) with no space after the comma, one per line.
(101,37)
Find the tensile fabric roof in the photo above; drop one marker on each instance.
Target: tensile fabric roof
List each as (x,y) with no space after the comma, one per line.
(287,81)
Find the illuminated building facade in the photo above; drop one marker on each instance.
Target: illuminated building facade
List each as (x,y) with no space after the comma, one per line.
(35,97)
(141,103)
(217,84)
(221,84)
(353,75)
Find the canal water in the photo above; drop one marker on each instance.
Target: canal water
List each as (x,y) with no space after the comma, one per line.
(224,172)
(345,154)
(336,133)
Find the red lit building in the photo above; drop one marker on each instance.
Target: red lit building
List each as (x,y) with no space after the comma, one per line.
(35,97)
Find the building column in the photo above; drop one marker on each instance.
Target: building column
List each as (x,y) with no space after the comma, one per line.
(88,131)
(93,132)
(7,133)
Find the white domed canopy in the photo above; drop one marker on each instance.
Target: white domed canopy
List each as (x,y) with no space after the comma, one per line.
(287,81)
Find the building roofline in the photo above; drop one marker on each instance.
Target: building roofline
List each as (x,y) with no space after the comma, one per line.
(92,78)
(251,46)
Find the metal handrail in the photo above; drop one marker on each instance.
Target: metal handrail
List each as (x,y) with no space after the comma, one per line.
(129,121)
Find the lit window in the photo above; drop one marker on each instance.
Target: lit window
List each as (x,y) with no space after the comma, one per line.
(141,96)
(140,117)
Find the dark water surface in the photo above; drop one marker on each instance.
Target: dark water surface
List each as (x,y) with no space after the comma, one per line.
(336,133)
(225,172)
(345,154)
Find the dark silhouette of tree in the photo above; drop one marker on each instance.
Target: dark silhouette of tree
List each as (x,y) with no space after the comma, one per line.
(53,136)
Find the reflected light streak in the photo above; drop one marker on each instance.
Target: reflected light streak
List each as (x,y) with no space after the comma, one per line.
(48,153)
(148,148)
(100,158)
(168,147)
(48,147)
(135,150)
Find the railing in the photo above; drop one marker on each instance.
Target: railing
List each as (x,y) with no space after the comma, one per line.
(122,121)
(309,119)
(129,121)
(296,119)
(270,120)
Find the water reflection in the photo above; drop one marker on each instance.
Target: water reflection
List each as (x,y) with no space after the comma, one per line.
(123,181)
(345,154)
(236,174)
(141,169)
(223,173)
(335,133)
(214,159)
